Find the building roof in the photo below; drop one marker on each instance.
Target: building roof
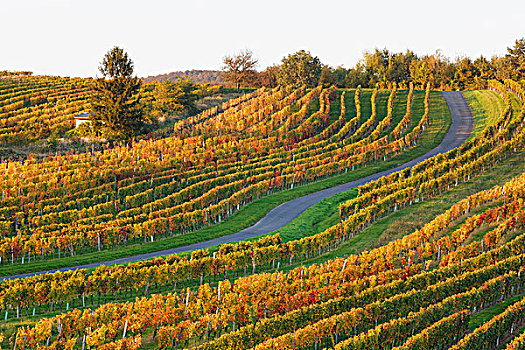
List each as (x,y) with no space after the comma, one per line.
(84,115)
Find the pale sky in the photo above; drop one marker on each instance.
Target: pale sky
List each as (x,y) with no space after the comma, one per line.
(69,38)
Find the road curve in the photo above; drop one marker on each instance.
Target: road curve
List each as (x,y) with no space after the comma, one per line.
(459,131)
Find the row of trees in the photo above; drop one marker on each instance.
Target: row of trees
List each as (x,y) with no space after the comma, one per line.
(380,67)
(298,69)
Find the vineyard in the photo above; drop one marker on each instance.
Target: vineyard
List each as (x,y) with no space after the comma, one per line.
(433,288)
(211,166)
(33,108)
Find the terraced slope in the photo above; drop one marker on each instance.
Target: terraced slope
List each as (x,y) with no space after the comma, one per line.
(462,124)
(34,108)
(416,292)
(212,165)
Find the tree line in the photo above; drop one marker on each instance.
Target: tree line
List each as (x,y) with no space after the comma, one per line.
(382,67)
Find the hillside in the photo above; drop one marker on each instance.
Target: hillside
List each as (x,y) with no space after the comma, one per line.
(197,76)
(317,188)
(156,189)
(34,108)
(317,288)
(37,113)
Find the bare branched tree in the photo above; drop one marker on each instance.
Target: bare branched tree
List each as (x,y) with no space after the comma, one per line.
(240,69)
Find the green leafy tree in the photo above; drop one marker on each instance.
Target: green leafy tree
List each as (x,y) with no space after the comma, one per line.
(300,68)
(421,72)
(339,77)
(516,59)
(117,111)
(385,67)
(465,74)
(326,77)
(399,67)
(355,77)
(435,69)
(164,99)
(503,67)
(171,98)
(376,66)
(485,68)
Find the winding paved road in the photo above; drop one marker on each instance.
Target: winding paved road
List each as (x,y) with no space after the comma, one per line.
(459,131)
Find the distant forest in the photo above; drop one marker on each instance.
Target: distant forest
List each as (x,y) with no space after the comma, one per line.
(197,76)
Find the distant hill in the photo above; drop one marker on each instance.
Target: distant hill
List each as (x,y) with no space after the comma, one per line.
(197,76)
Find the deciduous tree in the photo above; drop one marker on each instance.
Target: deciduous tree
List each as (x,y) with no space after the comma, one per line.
(268,77)
(325,79)
(300,68)
(240,69)
(170,97)
(516,56)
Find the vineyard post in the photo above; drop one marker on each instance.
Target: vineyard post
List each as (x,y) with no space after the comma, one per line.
(125,329)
